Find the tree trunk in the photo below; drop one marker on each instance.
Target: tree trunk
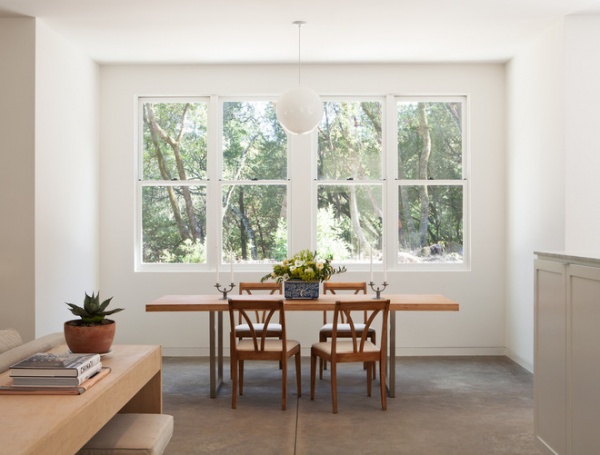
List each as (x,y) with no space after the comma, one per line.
(423,164)
(181,227)
(174,143)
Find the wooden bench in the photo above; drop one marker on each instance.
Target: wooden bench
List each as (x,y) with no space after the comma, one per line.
(140,434)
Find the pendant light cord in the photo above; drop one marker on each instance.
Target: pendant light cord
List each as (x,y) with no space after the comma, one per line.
(299,24)
(299,43)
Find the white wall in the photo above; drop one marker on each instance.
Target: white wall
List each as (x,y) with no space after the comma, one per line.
(477,329)
(582,121)
(66,178)
(17,111)
(535,177)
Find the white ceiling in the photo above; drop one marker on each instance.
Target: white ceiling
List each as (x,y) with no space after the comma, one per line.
(338,31)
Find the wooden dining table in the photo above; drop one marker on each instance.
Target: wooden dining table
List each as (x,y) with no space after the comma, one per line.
(216,305)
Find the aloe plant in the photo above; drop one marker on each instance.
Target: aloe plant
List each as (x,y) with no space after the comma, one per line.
(93,312)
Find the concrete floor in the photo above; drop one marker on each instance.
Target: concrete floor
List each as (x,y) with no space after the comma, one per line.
(443,405)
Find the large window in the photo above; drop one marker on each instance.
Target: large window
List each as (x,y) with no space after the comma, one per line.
(431,180)
(214,182)
(254,186)
(173,181)
(349,180)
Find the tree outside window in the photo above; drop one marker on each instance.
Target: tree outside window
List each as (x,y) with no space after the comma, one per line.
(430,181)
(237,186)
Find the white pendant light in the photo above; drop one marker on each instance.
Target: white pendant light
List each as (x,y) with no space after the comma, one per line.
(299,110)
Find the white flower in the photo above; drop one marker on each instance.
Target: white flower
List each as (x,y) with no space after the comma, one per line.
(320,266)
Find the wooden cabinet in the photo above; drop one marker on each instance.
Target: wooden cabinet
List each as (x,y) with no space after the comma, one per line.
(567,353)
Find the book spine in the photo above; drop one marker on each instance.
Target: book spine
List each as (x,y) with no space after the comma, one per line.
(81,369)
(91,371)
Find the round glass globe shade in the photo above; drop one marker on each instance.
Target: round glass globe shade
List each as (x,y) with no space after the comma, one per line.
(299,110)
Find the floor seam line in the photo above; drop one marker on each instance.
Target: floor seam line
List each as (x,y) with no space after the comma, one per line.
(297,417)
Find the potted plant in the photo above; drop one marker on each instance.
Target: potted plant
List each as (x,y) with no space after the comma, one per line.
(302,273)
(93,332)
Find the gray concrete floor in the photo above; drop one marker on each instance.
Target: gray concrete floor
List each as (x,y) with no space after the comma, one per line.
(443,405)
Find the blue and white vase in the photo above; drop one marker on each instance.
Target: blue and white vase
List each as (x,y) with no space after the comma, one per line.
(298,289)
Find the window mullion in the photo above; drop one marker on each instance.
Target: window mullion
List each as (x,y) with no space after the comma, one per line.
(390,193)
(213,228)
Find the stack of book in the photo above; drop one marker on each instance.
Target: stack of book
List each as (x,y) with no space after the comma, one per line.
(55,370)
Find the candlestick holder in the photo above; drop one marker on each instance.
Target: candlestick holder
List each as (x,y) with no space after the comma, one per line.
(223,290)
(378,290)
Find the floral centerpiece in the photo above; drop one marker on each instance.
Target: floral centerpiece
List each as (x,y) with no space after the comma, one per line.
(302,274)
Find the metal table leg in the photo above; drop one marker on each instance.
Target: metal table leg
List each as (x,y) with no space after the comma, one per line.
(391,379)
(213,349)
(220,349)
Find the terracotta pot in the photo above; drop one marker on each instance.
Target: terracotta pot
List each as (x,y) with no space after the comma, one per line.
(93,339)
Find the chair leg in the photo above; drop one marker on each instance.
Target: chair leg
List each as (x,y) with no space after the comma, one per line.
(374,341)
(298,374)
(369,378)
(334,398)
(322,362)
(241,376)
(382,385)
(234,382)
(283,385)
(313,367)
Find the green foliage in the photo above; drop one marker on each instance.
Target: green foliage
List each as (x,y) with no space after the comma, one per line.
(188,252)
(330,232)
(430,214)
(254,162)
(93,312)
(306,266)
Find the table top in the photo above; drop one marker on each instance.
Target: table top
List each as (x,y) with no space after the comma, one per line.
(214,302)
(52,424)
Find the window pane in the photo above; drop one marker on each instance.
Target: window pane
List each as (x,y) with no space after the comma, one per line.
(349,221)
(254,144)
(255,222)
(350,141)
(430,225)
(430,140)
(175,141)
(174,224)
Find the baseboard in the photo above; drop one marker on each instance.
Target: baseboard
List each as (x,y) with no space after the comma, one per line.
(187,352)
(519,360)
(400,352)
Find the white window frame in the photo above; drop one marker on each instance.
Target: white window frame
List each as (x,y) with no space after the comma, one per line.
(297,181)
(394,182)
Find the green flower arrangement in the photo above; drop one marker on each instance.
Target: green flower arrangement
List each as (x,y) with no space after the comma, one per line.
(304,265)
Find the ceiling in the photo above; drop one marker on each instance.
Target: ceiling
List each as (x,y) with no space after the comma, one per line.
(261,31)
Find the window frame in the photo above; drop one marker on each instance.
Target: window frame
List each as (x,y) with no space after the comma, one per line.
(395,183)
(364,182)
(214,183)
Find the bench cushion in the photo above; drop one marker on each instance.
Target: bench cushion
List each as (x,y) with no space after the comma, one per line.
(9,338)
(24,350)
(146,434)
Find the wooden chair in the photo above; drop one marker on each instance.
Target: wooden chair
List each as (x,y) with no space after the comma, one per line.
(259,347)
(343,328)
(356,349)
(273,329)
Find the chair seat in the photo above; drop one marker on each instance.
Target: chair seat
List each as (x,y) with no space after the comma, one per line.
(270,345)
(343,347)
(258,327)
(328,328)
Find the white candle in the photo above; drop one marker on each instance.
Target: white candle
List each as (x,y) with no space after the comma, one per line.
(231,260)
(371,264)
(218,260)
(384,270)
